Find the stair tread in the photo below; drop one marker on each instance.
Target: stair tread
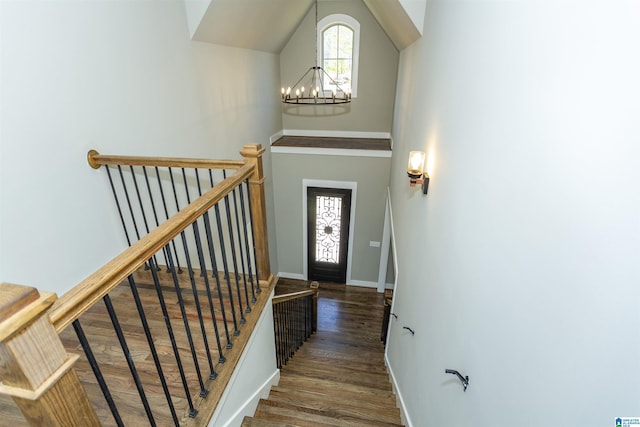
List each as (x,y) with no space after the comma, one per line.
(363,380)
(260,422)
(333,407)
(290,412)
(373,395)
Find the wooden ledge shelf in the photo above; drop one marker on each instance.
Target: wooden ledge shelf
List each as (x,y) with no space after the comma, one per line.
(377,144)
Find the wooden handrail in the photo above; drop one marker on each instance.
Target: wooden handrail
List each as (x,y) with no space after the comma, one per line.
(86,293)
(288,297)
(96,160)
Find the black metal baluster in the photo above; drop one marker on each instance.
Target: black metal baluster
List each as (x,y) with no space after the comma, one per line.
(129,357)
(135,185)
(194,288)
(299,323)
(115,196)
(203,267)
(227,208)
(309,315)
(253,239)
(166,215)
(142,210)
(236,331)
(278,331)
(153,208)
(246,245)
(214,266)
(167,320)
(216,275)
(97,372)
(126,194)
(185,320)
(277,321)
(239,231)
(291,328)
(152,347)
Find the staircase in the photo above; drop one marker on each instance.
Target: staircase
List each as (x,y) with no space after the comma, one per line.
(338,377)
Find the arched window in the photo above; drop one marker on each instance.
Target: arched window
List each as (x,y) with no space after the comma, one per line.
(338,46)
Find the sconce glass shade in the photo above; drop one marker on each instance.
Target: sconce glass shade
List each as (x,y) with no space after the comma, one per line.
(416,164)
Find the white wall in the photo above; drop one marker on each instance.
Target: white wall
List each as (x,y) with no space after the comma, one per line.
(123,78)
(253,377)
(520,268)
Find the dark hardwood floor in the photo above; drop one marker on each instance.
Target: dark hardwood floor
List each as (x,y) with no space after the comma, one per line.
(338,377)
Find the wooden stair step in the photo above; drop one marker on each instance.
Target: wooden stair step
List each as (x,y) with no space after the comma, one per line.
(291,415)
(333,408)
(308,416)
(342,390)
(365,380)
(329,396)
(351,365)
(259,422)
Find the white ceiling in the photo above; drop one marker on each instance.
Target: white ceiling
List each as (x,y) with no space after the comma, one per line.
(267,25)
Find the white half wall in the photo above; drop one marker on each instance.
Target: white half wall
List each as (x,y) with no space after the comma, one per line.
(520,267)
(254,376)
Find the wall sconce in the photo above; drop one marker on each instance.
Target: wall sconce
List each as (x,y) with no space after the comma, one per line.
(415,170)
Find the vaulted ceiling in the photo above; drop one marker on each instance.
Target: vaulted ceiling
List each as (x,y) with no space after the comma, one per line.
(267,25)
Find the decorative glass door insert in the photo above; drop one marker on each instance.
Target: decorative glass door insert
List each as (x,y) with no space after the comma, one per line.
(328,212)
(328,217)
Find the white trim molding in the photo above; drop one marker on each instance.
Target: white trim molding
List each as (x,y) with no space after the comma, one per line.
(404,414)
(329,151)
(295,276)
(251,404)
(276,136)
(347,185)
(362,283)
(334,133)
(384,250)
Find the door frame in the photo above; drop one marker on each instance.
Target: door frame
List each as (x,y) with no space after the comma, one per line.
(344,185)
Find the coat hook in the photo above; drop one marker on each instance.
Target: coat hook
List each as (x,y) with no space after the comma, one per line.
(464,380)
(409,329)
(394,315)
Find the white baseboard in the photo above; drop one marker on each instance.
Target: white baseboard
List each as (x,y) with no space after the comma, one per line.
(335,133)
(294,276)
(404,415)
(249,407)
(362,283)
(276,136)
(389,286)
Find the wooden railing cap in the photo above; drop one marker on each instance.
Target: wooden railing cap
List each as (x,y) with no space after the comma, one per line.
(19,305)
(252,150)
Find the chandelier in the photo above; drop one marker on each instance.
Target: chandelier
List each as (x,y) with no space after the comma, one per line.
(315,86)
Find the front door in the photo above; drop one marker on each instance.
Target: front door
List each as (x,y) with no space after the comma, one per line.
(328,211)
